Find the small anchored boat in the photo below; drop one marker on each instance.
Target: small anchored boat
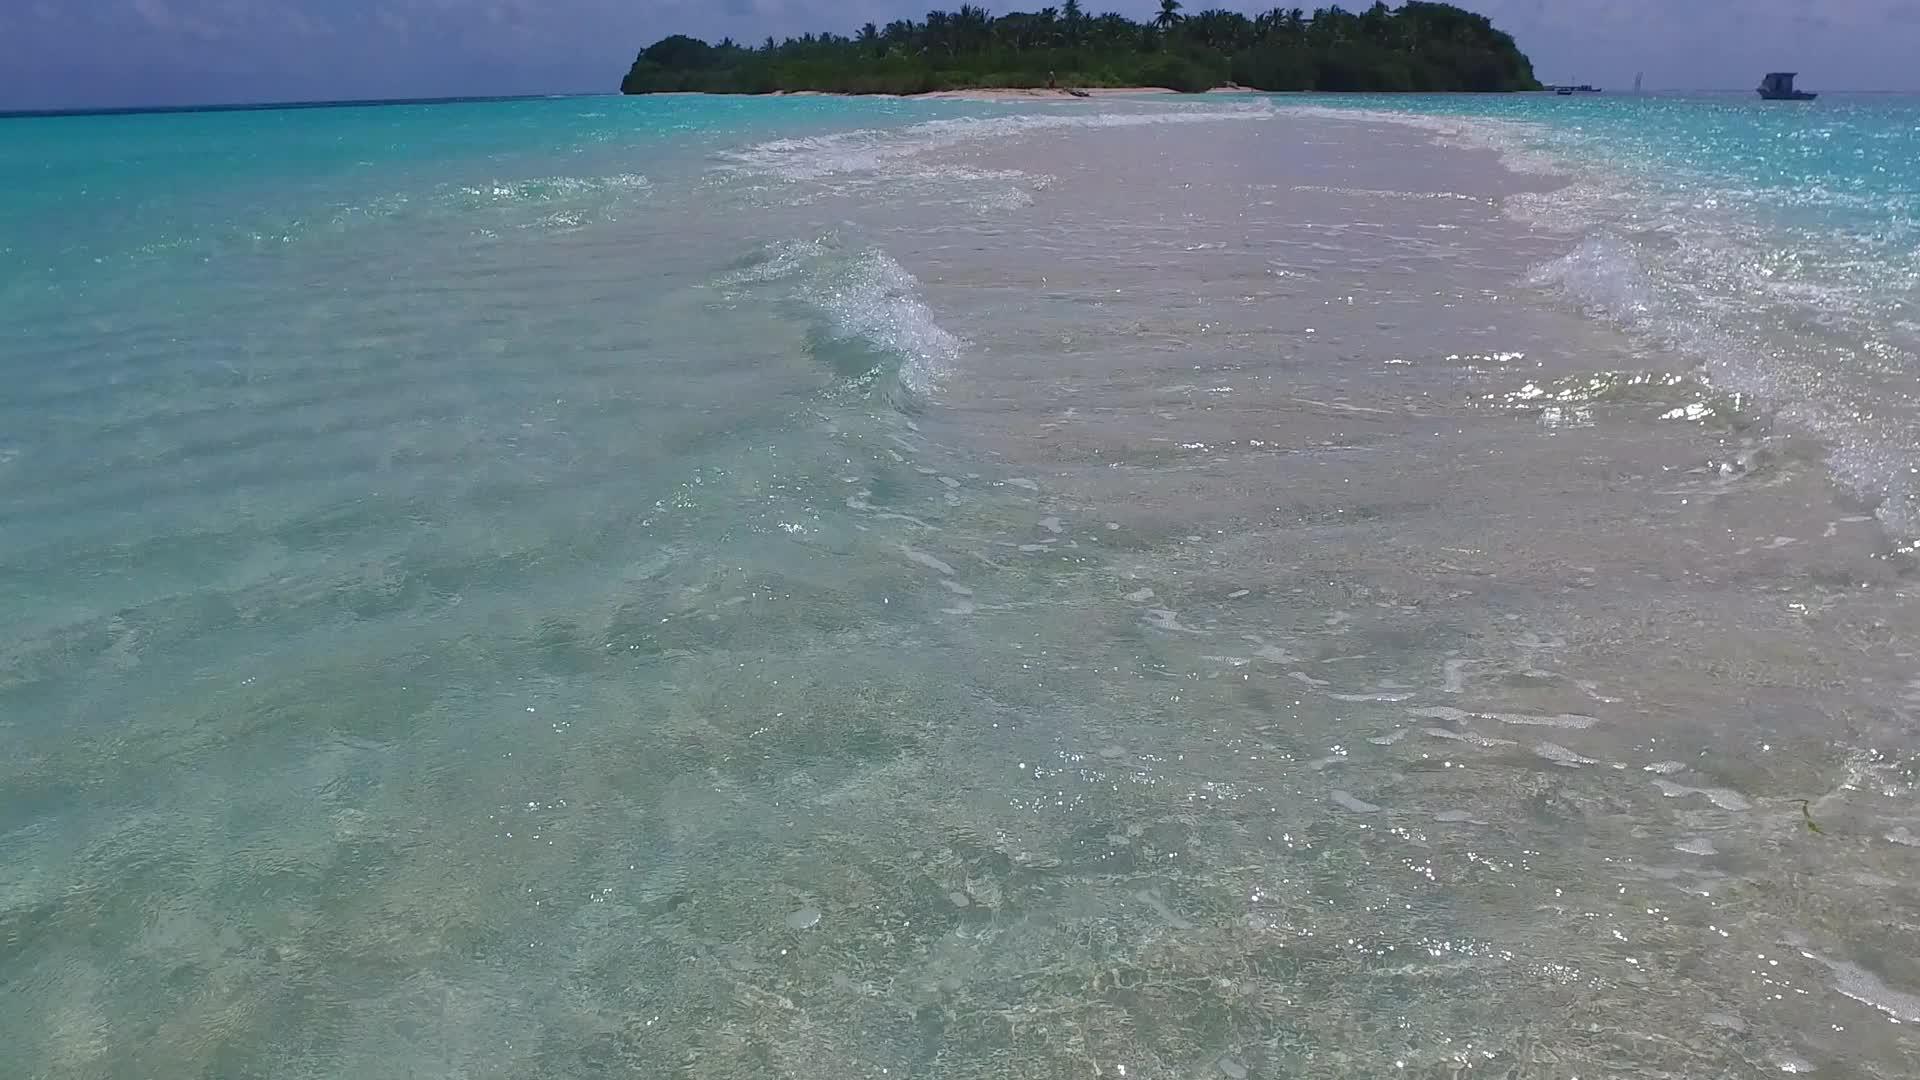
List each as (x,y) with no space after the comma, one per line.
(1778,86)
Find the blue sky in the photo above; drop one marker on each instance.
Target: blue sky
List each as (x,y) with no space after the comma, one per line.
(57,53)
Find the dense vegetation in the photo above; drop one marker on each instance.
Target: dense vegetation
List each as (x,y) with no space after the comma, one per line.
(1420,46)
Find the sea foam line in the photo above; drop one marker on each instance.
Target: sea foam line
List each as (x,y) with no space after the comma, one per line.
(869,150)
(1679,258)
(866,296)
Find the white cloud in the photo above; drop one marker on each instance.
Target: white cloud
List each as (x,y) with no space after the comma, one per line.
(155,13)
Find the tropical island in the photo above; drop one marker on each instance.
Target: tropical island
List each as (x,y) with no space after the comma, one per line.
(1416,47)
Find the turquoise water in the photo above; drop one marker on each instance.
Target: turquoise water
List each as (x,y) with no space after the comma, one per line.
(92,188)
(841,588)
(1778,246)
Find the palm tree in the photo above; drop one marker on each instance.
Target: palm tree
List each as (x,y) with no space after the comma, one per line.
(972,26)
(1377,23)
(1222,30)
(1169,14)
(940,31)
(1071,20)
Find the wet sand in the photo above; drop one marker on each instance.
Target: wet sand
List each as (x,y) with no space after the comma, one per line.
(1434,676)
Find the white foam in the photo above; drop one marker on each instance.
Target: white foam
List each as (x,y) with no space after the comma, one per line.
(1471,738)
(927,560)
(552,188)
(1346,801)
(1863,986)
(1574,721)
(878,300)
(1723,798)
(1361,699)
(866,295)
(1797,311)
(1601,274)
(1560,755)
(1167,619)
(784,259)
(817,157)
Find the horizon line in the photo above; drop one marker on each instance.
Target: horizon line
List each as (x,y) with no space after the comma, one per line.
(271,106)
(481,99)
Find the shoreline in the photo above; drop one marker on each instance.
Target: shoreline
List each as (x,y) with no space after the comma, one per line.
(1068,94)
(1025,93)
(1263,412)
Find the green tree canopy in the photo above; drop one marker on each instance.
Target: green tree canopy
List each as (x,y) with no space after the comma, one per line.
(1418,46)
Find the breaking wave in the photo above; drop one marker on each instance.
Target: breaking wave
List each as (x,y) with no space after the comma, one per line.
(868,322)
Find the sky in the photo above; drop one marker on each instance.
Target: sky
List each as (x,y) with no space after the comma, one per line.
(104,53)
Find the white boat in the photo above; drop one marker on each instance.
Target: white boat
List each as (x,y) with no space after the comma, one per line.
(1778,86)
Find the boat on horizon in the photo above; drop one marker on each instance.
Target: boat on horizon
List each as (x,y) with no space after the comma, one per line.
(1778,86)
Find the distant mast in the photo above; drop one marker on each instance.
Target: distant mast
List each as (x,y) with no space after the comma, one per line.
(1637,80)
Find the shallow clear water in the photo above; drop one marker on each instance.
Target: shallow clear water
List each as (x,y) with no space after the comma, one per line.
(1778,243)
(819,588)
